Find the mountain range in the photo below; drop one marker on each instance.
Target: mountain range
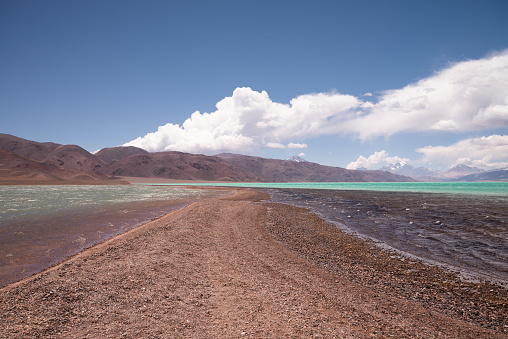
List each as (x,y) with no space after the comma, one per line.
(29,162)
(25,162)
(456,173)
(274,170)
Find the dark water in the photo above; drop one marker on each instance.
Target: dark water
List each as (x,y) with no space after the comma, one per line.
(468,233)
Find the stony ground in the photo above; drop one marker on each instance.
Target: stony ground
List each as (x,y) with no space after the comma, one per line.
(240,267)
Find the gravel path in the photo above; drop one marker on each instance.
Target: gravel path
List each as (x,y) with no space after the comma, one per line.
(230,268)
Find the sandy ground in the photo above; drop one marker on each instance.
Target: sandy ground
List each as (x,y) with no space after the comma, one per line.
(239,267)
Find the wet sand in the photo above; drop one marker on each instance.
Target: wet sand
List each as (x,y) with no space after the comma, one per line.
(244,267)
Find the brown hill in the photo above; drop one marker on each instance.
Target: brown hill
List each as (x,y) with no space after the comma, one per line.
(177,165)
(70,157)
(274,170)
(46,161)
(26,148)
(73,157)
(13,166)
(29,162)
(15,169)
(114,154)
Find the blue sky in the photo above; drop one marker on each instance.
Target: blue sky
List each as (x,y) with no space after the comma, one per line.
(424,81)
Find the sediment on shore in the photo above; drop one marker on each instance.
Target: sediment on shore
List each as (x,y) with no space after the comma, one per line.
(240,266)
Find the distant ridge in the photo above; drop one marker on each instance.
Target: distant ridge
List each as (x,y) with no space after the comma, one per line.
(48,162)
(403,168)
(178,165)
(16,169)
(29,162)
(274,170)
(456,173)
(34,162)
(496,175)
(460,171)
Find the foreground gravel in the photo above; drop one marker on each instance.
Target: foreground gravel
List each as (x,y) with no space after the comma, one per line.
(241,267)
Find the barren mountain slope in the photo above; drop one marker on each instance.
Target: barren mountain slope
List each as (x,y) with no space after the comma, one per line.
(177,165)
(27,148)
(274,170)
(113,154)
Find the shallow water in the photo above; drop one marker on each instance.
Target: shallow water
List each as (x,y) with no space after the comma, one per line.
(468,233)
(42,225)
(17,202)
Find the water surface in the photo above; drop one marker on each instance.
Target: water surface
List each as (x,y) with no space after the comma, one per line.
(474,188)
(467,233)
(42,225)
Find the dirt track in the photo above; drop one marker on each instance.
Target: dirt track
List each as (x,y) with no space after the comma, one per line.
(215,269)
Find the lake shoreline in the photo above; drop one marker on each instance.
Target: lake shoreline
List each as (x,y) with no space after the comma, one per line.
(441,229)
(240,264)
(65,220)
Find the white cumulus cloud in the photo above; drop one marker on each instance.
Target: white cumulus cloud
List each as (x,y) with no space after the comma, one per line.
(275,145)
(295,145)
(249,119)
(488,152)
(467,96)
(381,157)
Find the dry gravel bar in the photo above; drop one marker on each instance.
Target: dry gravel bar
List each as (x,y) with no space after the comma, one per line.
(243,267)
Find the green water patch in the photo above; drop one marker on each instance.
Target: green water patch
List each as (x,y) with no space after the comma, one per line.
(471,188)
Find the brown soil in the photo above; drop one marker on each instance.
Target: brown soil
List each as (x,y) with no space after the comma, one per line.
(239,267)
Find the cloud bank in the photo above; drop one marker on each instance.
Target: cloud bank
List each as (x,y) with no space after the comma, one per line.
(489,152)
(248,120)
(467,96)
(378,158)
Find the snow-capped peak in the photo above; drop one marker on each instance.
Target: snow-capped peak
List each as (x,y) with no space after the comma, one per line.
(296,158)
(401,165)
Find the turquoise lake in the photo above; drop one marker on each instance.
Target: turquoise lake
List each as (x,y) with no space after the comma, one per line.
(476,188)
